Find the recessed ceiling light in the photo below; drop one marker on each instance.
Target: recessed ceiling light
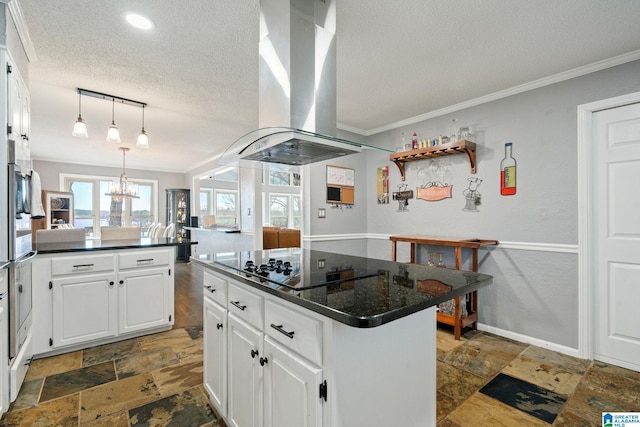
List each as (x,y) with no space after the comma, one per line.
(139,21)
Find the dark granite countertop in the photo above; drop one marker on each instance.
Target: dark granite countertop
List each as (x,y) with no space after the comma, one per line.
(398,290)
(218,228)
(101,245)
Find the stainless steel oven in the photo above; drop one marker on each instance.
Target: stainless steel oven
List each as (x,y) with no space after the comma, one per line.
(20,253)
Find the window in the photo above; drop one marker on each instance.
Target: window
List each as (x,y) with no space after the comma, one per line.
(206,202)
(93,207)
(281,202)
(285,211)
(226,209)
(282,175)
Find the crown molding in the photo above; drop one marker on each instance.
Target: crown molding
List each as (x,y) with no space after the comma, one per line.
(545,81)
(21,26)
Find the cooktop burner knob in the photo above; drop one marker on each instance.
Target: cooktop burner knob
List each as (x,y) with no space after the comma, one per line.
(279,262)
(287,264)
(248,264)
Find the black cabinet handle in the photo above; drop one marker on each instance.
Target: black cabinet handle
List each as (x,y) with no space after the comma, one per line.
(237,304)
(121,282)
(263,361)
(254,353)
(210,288)
(219,326)
(282,331)
(111,283)
(83,266)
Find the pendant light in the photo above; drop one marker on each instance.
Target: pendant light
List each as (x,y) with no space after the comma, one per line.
(123,189)
(80,127)
(143,139)
(113,135)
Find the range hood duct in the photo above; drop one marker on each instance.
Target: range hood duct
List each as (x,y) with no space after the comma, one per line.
(297,87)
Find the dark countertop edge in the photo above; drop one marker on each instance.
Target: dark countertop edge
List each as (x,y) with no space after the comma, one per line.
(122,244)
(354,321)
(219,230)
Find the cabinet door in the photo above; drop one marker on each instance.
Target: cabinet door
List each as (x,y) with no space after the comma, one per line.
(4,363)
(291,389)
(245,374)
(84,308)
(144,297)
(215,354)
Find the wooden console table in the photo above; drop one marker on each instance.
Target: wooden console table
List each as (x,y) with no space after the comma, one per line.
(456,320)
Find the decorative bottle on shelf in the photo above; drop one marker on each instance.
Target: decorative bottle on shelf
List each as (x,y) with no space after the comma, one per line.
(508,172)
(414,141)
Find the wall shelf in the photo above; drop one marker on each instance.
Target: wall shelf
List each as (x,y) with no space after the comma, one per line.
(459,147)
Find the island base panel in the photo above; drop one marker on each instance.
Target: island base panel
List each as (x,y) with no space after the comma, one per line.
(384,376)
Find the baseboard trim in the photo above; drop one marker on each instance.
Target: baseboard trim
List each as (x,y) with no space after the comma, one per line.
(530,340)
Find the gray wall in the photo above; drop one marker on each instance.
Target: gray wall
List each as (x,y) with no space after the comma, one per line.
(50,177)
(535,290)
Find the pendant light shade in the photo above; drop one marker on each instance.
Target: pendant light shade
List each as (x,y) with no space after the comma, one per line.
(143,139)
(113,135)
(80,127)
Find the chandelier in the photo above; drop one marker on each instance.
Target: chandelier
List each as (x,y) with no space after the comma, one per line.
(123,189)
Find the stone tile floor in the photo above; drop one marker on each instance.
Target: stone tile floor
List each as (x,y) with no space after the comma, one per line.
(156,380)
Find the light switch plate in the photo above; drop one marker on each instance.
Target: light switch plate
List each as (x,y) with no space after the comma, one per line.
(322,213)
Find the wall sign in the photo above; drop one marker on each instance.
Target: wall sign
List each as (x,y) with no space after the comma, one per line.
(383,185)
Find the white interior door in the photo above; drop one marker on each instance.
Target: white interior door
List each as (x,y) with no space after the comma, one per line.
(616,235)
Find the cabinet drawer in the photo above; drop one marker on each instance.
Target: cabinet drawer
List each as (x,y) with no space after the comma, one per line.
(82,264)
(295,330)
(246,305)
(215,288)
(139,259)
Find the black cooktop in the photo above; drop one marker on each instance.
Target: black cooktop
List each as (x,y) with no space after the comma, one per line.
(294,268)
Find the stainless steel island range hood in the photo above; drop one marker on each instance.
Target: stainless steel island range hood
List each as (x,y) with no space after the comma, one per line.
(297,83)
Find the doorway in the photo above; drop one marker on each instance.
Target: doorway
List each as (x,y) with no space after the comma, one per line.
(609,178)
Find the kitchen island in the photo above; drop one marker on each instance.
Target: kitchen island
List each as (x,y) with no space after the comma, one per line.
(93,292)
(297,337)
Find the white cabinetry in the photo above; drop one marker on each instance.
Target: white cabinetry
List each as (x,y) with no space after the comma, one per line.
(4,363)
(288,366)
(19,115)
(290,389)
(84,308)
(268,371)
(215,344)
(98,298)
(145,294)
(245,374)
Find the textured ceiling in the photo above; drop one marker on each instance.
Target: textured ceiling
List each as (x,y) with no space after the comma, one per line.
(198,70)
